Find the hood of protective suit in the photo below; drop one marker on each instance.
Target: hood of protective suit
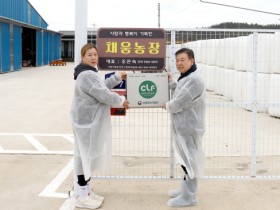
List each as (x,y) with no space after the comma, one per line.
(82,67)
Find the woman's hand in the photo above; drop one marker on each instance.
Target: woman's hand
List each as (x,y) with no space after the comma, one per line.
(123,75)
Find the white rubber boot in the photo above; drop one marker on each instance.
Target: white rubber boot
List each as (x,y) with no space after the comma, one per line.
(187,197)
(173,193)
(85,201)
(93,194)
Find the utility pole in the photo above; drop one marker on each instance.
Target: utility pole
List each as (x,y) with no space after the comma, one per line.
(159,15)
(80,27)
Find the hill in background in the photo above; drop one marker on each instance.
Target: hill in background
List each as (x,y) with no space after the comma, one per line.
(232,25)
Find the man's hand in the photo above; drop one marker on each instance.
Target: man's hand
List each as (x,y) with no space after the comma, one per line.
(169,76)
(126,104)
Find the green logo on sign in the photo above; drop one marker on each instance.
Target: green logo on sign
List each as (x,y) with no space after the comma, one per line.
(148,89)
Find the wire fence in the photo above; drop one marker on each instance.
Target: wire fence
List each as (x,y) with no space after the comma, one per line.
(241,72)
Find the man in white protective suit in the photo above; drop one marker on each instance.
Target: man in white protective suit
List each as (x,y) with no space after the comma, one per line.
(187,109)
(91,121)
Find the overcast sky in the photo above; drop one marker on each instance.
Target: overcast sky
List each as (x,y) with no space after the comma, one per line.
(60,14)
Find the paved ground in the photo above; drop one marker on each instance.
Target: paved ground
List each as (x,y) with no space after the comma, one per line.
(36,169)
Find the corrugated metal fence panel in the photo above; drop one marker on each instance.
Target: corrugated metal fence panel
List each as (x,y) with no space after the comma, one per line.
(16,9)
(44,24)
(9,9)
(46,48)
(34,17)
(3,8)
(24,11)
(39,50)
(51,58)
(17,48)
(57,46)
(0,47)
(5,47)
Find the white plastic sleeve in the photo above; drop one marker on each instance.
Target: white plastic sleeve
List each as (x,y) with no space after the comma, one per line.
(122,101)
(167,107)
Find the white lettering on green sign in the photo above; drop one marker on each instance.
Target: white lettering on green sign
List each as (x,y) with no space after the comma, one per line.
(147,89)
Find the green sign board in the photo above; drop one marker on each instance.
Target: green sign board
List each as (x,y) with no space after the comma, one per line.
(148,89)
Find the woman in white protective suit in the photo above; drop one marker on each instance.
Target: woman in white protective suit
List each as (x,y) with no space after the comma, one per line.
(91,121)
(187,109)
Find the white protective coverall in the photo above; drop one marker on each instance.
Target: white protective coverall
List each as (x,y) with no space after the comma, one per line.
(90,113)
(187,108)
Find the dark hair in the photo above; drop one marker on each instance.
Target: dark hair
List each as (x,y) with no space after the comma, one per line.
(188,51)
(86,47)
